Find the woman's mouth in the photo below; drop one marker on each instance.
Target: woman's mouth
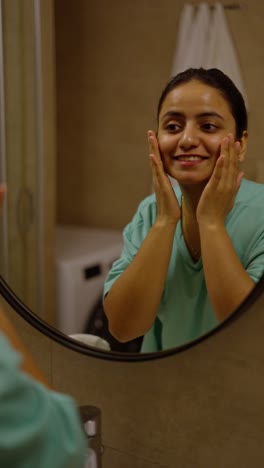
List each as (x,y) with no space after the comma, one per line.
(189,159)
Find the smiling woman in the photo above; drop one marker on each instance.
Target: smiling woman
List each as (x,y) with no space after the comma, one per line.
(193,253)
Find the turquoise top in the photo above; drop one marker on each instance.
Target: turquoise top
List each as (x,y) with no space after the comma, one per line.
(38,427)
(185,312)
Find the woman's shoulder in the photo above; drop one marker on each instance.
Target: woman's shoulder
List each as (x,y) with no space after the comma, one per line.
(144,215)
(149,203)
(250,193)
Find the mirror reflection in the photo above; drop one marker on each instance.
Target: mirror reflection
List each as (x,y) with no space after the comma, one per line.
(185,263)
(192,255)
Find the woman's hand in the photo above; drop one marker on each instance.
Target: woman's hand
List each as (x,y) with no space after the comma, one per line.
(168,207)
(219,194)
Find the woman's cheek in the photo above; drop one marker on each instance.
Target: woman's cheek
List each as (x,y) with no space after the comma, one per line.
(216,147)
(165,143)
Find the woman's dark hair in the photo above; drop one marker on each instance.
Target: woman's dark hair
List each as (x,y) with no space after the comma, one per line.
(218,80)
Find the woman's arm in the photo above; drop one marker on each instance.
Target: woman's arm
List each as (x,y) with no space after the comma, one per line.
(132,302)
(228,284)
(227,281)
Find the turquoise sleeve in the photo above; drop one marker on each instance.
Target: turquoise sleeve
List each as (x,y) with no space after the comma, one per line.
(133,236)
(254,255)
(38,427)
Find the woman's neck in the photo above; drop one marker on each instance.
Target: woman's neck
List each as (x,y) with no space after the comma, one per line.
(191,195)
(190,199)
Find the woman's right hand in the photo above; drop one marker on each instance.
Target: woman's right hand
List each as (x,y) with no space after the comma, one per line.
(169,210)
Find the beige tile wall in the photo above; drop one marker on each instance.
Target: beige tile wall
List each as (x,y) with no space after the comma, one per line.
(202,408)
(113,59)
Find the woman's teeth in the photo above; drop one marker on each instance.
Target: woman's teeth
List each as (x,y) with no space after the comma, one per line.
(189,158)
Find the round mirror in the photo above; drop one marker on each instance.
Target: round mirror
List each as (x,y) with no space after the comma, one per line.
(75,109)
(73,344)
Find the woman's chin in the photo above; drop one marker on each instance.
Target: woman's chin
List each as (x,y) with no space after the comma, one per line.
(189,179)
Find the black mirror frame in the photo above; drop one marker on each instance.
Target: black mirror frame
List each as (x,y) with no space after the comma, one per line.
(64,340)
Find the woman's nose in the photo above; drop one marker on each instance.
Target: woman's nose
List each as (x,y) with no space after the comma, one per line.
(188,139)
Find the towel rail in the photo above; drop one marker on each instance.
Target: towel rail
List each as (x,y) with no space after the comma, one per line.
(230,6)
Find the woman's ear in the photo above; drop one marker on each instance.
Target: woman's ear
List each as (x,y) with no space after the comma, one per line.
(243,146)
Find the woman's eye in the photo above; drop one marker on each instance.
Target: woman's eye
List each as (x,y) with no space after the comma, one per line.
(173,127)
(209,127)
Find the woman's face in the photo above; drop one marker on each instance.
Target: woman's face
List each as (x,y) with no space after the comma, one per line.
(193,121)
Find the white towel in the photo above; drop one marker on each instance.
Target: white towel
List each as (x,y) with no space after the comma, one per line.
(204,40)
(199,33)
(183,38)
(192,38)
(221,52)
(91,340)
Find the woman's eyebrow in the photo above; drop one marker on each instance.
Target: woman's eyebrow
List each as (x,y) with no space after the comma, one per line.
(210,114)
(172,114)
(176,114)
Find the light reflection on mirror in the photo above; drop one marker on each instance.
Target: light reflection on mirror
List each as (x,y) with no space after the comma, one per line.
(105,105)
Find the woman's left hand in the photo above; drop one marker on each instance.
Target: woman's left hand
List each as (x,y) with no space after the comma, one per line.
(220,192)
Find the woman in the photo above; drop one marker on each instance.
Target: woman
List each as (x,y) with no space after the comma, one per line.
(192,254)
